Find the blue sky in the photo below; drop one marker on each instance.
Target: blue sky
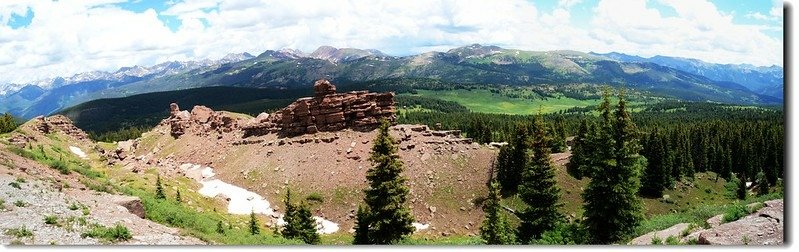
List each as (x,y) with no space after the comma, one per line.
(108,34)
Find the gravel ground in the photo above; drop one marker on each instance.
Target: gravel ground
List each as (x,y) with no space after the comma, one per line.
(42,199)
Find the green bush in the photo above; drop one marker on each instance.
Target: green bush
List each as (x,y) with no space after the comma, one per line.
(671,240)
(734,213)
(73,206)
(20,203)
(113,234)
(50,219)
(19,232)
(656,240)
(61,166)
(14,184)
(315,196)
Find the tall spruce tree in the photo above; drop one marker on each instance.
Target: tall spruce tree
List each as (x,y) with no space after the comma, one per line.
(539,189)
(612,209)
(159,189)
(655,177)
(389,218)
(581,151)
(299,222)
(510,166)
(495,229)
(762,184)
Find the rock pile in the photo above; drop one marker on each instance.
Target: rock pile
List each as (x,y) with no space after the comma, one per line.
(202,120)
(327,111)
(59,123)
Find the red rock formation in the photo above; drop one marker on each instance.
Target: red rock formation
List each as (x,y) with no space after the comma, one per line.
(328,111)
(59,123)
(202,120)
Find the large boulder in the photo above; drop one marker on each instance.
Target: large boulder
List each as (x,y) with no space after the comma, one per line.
(675,231)
(764,227)
(133,204)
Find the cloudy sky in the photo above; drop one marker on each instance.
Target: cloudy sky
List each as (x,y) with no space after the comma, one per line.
(44,39)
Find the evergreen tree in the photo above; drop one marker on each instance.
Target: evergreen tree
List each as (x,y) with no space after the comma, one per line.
(495,229)
(539,189)
(254,228)
(741,192)
(612,209)
(509,172)
(159,189)
(655,177)
(7,123)
(299,222)
(581,151)
(762,184)
(389,218)
(177,196)
(220,229)
(361,226)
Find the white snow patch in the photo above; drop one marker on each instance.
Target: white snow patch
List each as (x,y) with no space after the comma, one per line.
(242,201)
(420,226)
(325,226)
(78,152)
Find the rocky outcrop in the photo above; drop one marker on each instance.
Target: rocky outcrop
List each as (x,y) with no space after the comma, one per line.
(764,227)
(133,204)
(59,123)
(661,235)
(327,111)
(201,120)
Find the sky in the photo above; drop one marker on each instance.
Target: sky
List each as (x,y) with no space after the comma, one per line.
(46,39)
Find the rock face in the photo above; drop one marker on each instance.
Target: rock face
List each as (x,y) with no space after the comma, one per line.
(61,124)
(133,204)
(764,227)
(662,235)
(202,120)
(327,111)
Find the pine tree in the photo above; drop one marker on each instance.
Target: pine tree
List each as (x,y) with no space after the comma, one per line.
(177,196)
(495,229)
(361,226)
(159,189)
(509,171)
(389,217)
(220,229)
(612,209)
(741,192)
(762,184)
(299,222)
(581,150)
(254,228)
(654,179)
(539,189)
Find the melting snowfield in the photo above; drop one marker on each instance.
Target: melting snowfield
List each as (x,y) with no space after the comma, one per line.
(242,201)
(78,152)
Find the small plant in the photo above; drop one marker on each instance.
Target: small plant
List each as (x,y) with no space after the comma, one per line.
(159,190)
(220,229)
(21,180)
(656,240)
(19,232)
(17,242)
(2,204)
(114,234)
(73,206)
(734,213)
(688,230)
(61,166)
(84,210)
(20,203)
(316,197)
(14,184)
(692,241)
(745,239)
(671,240)
(50,219)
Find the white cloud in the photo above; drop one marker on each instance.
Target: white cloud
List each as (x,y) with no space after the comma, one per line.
(68,37)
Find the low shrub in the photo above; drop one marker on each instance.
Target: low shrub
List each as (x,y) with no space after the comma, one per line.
(113,234)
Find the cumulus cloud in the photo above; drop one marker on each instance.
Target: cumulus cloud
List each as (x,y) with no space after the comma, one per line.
(68,37)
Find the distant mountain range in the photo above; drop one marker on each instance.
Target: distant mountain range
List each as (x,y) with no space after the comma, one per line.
(685,79)
(762,80)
